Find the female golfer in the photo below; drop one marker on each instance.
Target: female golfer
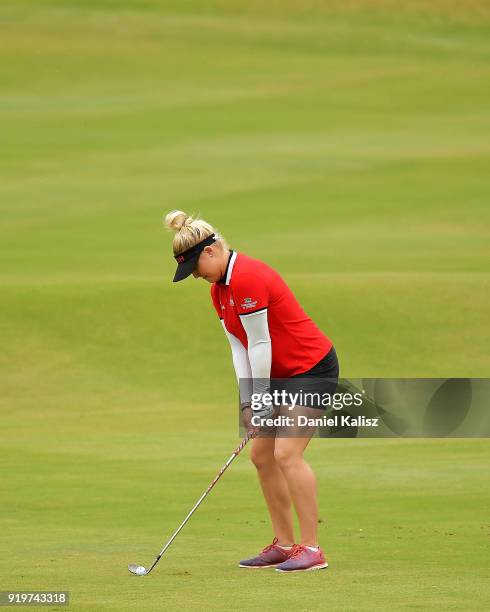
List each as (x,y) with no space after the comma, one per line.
(271,337)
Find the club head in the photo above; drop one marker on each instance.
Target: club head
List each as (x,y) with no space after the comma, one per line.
(137,570)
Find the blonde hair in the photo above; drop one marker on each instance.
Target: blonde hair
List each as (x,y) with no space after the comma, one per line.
(189,231)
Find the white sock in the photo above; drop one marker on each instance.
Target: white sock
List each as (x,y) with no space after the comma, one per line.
(285,547)
(313,548)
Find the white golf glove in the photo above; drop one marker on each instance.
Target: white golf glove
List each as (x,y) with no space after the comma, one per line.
(262,409)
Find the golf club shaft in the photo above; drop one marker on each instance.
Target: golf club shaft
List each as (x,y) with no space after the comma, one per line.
(235,454)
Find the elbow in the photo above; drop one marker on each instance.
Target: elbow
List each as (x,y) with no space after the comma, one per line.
(259,343)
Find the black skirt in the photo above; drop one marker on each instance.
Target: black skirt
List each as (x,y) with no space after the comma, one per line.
(312,388)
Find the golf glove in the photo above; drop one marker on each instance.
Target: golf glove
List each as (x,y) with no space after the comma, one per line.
(262,409)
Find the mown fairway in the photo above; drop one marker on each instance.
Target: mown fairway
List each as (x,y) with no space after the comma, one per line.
(346,144)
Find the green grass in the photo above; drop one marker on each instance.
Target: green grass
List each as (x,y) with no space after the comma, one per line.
(346,144)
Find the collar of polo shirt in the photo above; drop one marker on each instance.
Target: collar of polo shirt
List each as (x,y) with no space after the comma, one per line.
(226,278)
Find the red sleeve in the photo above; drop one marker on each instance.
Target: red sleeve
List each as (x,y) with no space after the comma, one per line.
(250,293)
(215,298)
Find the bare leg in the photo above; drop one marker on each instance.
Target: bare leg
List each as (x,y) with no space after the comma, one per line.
(301,481)
(274,488)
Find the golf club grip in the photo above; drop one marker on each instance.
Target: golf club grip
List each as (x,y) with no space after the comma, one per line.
(236,452)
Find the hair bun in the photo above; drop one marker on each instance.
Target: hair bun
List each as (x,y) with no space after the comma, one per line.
(176,219)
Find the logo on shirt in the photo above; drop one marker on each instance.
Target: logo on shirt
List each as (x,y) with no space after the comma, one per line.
(232,303)
(248,303)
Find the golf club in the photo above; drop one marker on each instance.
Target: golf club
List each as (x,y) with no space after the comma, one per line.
(139,570)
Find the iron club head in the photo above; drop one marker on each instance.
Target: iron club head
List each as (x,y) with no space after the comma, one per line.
(136,569)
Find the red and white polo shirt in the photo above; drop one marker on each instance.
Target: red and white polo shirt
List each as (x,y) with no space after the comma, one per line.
(249,285)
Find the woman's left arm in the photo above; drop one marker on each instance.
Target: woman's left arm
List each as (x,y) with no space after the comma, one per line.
(259,349)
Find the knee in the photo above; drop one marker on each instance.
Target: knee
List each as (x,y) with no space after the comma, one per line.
(261,459)
(285,458)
